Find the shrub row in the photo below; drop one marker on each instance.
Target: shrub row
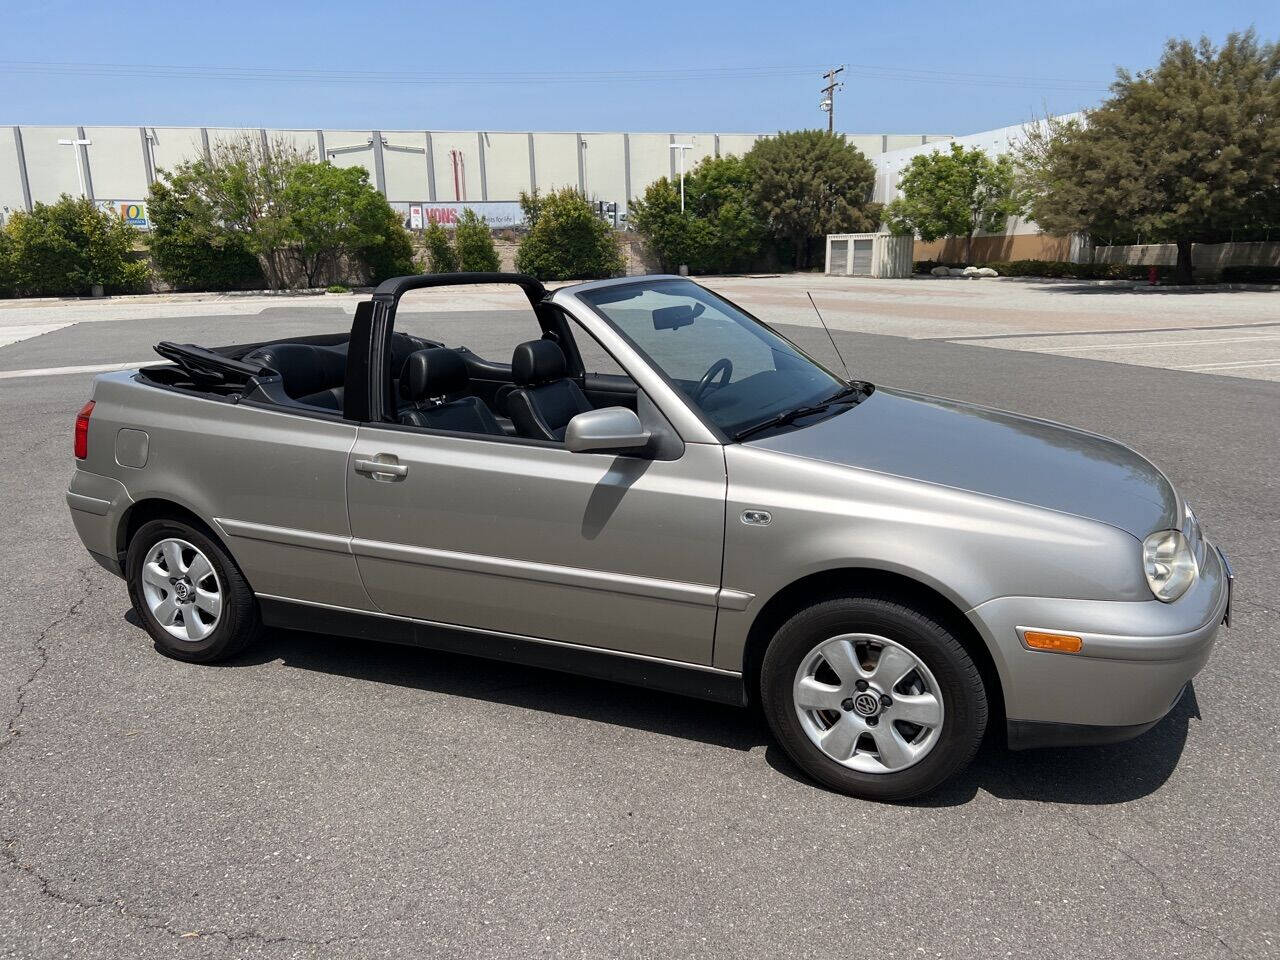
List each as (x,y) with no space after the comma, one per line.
(1063,269)
(66,249)
(1251,274)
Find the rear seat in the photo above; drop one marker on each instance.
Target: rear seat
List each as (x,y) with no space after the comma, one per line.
(314,375)
(309,375)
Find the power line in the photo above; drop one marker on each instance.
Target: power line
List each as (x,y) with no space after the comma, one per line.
(259,74)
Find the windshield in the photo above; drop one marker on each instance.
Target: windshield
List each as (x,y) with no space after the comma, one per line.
(736,371)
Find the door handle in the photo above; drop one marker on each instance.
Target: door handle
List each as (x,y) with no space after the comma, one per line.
(383,466)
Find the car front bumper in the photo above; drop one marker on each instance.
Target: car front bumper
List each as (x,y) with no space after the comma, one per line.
(1136,660)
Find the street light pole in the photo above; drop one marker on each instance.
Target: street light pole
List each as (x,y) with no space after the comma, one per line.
(79,166)
(682,147)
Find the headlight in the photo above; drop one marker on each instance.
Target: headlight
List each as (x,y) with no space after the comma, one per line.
(1169,563)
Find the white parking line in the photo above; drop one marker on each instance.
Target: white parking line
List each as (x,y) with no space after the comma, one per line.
(1140,344)
(1229,365)
(64,371)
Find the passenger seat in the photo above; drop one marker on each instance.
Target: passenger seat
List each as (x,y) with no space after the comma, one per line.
(545,400)
(435,383)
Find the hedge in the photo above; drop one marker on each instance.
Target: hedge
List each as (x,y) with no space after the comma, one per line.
(1251,274)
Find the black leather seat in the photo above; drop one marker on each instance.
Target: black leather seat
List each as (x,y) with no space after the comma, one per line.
(309,374)
(435,384)
(544,400)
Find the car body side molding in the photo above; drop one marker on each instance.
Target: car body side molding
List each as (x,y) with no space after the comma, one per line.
(700,594)
(687,679)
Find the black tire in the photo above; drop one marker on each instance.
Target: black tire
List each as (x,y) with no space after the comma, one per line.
(963,695)
(239,623)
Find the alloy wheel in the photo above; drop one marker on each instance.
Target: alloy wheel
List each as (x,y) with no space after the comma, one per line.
(182,590)
(868,703)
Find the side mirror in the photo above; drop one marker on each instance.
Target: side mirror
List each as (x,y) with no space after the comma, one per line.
(673,318)
(608,429)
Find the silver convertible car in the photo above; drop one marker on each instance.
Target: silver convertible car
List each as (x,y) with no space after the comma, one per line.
(655,487)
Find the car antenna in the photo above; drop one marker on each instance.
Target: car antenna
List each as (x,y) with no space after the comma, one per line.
(848,376)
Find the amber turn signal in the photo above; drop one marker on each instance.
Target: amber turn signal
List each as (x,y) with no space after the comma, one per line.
(1057,642)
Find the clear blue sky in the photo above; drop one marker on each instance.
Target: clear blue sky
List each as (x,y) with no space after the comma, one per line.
(574,65)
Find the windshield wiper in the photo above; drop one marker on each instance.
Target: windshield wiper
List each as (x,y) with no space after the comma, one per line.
(854,392)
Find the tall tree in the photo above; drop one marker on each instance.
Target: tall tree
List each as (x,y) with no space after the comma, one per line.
(719,229)
(808,183)
(1183,152)
(954,194)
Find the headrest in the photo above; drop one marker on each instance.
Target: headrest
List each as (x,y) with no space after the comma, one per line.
(537,362)
(433,372)
(304,368)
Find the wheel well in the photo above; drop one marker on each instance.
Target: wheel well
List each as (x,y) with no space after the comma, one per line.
(854,581)
(145,511)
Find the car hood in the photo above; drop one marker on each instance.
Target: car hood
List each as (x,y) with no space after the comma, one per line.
(991,452)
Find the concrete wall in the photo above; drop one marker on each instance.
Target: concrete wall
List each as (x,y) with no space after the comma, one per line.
(1205,257)
(1032,245)
(407,165)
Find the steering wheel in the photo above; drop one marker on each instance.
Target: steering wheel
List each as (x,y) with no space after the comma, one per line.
(723,367)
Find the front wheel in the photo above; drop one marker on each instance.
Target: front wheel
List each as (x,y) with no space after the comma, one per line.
(189,593)
(872,697)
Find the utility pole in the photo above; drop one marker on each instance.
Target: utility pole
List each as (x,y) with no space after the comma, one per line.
(829,96)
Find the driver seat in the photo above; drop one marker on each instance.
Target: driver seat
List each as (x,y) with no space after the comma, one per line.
(545,400)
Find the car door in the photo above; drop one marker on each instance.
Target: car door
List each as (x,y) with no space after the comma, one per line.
(528,538)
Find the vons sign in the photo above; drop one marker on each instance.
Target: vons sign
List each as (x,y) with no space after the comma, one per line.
(496,214)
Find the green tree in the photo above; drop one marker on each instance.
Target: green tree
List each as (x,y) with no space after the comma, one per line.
(335,218)
(388,251)
(6,264)
(191,248)
(568,241)
(808,183)
(244,180)
(1184,152)
(65,248)
(531,206)
(440,254)
(719,229)
(474,242)
(954,194)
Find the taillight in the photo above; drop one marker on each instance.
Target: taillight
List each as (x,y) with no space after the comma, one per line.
(82,430)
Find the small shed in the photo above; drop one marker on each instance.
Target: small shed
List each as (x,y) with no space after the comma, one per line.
(880,255)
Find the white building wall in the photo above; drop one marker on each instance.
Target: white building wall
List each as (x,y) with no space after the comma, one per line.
(117,163)
(173,146)
(350,148)
(604,167)
(506,162)
(404,164)
(651,156)
(51,166)
(736,144)
(556,159)
(11,198)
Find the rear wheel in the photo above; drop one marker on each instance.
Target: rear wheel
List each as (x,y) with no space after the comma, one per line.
(189,594)
(872,697)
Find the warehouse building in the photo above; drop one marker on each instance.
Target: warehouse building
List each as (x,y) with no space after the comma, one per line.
(426,174)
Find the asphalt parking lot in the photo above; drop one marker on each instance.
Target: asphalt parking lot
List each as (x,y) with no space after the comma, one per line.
(323,797)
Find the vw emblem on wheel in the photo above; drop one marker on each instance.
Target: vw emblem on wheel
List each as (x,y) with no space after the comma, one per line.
(182,590)
(866,704)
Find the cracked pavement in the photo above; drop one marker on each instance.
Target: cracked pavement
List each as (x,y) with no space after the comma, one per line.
(321,797)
